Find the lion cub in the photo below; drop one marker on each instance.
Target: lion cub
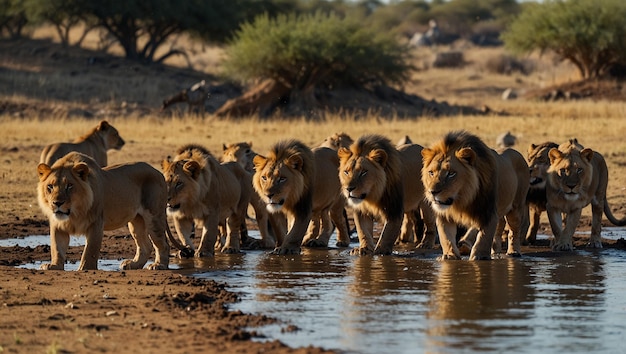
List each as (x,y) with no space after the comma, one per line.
(80,198)
(207,193)
(94,144)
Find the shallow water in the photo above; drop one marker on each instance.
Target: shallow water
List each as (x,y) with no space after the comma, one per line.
(407,303)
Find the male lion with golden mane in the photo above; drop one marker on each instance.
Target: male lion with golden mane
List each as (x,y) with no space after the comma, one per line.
(469,184)
(80,198)
(379,182)
(577,177)
(207,193)
(94,144)
(302,184)
(538,163)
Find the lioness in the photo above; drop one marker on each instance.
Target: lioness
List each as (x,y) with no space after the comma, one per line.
(95,144)
(538,162)
(378,181)
(243,154)
(469,184)
(202,190)
(286,180)
(80,198)
(577,177)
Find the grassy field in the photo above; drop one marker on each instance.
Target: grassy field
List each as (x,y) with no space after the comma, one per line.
(48,94)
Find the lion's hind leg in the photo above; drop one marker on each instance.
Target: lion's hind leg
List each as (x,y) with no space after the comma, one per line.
(138,230)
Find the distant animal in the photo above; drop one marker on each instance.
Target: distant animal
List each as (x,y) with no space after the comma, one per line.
(505,140)
(378,181)
(404,140)
(94,144)
(469,184)
(203,192)
(577,177)
(195,96)
(538,163)
(81,198)
(337,140)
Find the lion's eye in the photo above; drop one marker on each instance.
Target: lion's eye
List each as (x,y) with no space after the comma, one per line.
(362,173)
(178,185)
(431,173)
(69,187)
(451,174)
(562,171)
(282,179)
(579,170)
(346,172)
(264,178)
(49,188)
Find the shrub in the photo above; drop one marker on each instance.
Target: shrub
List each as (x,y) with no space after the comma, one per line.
(315,50)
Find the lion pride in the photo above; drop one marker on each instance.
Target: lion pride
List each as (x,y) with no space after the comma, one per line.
(577,177)
(207,193)
(95,144)
(80,198)
(469,184)
(379,182)
(303,185)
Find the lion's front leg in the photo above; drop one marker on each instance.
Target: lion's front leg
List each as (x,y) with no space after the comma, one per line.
(59,243)
(556,224)
(447,238)
(564,242)
(294,237)
(184,228)
(484,241)
(388,236)
(91,252)
(365,230)
(233,236)
(210,230)
(597,209)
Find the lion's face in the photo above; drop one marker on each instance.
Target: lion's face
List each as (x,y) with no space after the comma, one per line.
(449,179)
(279,183)
(337,140)
(183,184)
(64,192)
(241,153)
(539,162)
(571,173)
(110,136)
(362,177)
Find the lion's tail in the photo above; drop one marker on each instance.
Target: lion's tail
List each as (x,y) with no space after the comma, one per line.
(185,252)
(609,215)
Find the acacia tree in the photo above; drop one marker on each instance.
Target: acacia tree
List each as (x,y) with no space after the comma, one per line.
(589,33)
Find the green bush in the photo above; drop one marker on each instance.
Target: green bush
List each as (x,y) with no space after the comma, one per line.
(589,33)
(312,51)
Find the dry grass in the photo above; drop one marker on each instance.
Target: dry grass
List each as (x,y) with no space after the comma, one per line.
(44,82)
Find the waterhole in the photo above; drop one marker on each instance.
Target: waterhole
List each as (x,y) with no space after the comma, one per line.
(409,303)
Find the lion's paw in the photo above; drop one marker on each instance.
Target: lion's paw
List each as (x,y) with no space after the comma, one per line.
(230,250)
(514,254)
(314,243)
(49,266)
(129,264)
(286,250)
(446,257)
(342,244)
(383,251)
(563,247)
(425,245)
(465,248)
(594,244)
(201,254)
(186,252)
(158,266)
(360,251)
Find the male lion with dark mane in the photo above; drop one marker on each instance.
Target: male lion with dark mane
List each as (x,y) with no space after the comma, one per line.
(80,198)
(469,184)
(94,144)
(207,193)
(577,177)
(303,185)
(379,182)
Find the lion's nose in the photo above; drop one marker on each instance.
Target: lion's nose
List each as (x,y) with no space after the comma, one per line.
(58,203)
(350,188)
(435,191)
(270,195)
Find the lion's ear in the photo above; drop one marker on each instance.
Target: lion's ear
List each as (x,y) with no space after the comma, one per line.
(554,154)
(165,164)
(466,154)
(81,170)
(104,125)
(295,161)
(531,148)
(427,155)
(259,162)
(586,154)
(224,147)
(344,153)
(43,171)
(379,156)
(192,168)
(249,144)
